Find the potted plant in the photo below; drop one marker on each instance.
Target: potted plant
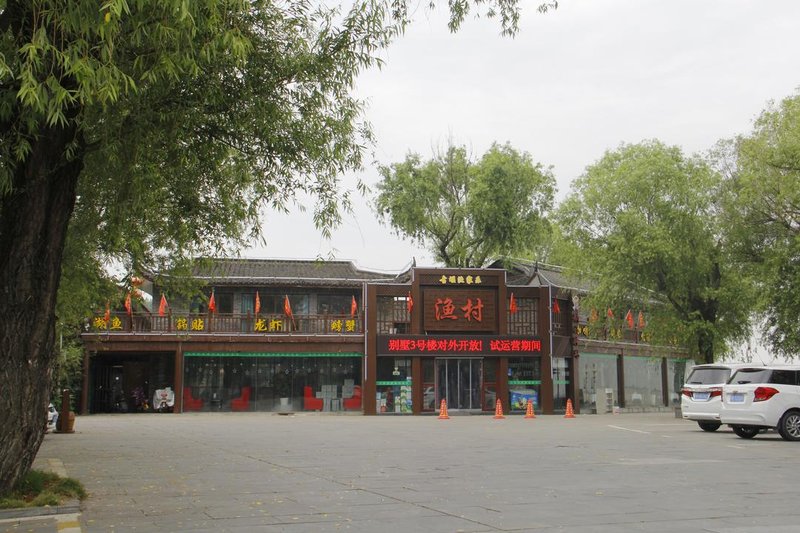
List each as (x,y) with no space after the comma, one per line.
(283,385)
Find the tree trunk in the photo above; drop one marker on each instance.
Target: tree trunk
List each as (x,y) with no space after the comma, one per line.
(705,346)
(33,226)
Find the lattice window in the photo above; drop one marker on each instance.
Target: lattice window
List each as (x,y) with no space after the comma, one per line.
(393,315)
(525,320)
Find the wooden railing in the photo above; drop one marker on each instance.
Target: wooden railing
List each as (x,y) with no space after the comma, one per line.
(231,323)
(619,332)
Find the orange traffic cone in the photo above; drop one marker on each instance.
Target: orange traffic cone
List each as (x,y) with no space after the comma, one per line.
(443,410)
(498,410)
(529,410)
(570,412)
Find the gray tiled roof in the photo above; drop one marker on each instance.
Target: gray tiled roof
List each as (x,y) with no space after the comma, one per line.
(285,272)
(532,273)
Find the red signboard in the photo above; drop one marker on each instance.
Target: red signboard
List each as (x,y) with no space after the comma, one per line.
(460,310)
(486,345)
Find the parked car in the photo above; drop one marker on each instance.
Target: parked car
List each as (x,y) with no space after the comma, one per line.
(760,398)
(701,395)
(52,418)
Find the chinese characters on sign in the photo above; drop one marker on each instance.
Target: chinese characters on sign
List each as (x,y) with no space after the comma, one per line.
(114,323)
(348,326)
(185,324)
(263,325)
(445,309)
(443,345)
(459,309)
(473,311)
(460,280)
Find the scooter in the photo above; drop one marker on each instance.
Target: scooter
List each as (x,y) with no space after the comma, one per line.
(163,400)
(140,402)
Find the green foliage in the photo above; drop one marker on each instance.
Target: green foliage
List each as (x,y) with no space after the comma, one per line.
(38,488)
(465,211)
(763,214)
(643,225)
(158,130)
(194,115)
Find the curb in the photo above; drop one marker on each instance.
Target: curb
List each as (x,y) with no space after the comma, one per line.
(72,506)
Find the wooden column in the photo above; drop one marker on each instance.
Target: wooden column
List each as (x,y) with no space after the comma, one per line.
(178,407)
(543,330)
(368,388)
(502,382)
(574,390)
(546,388)
(621,379)
(84,408)
(416,385)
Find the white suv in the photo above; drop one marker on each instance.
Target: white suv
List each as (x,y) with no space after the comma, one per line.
(701,395)
(755,399)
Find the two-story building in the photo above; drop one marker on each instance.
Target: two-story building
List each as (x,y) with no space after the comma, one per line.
(293,336)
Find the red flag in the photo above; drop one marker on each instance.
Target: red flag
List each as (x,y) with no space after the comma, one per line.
(512,304)
(287,307)
(629,319)
(353,308)
(641,320)
(128,304)
(610,313)
(212,303)
(409,303)
(108,313)
(556,307)
(162,307)
(258,303)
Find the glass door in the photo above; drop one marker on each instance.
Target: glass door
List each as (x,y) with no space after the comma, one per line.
(459,382)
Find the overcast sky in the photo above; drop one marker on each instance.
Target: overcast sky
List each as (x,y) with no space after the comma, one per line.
(572,84)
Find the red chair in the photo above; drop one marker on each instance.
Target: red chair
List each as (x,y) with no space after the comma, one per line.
(310,403)
(355,401)
(191,403)
(242,403)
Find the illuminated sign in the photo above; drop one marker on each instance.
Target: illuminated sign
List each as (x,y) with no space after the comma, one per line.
(486,345)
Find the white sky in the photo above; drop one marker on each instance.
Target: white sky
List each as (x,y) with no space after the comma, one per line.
(575,82)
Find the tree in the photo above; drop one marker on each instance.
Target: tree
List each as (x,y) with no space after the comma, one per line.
(155,130)
(764,217)
(467,212)
(643,224)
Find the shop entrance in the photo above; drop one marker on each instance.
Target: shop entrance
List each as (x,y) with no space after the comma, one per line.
(459,382)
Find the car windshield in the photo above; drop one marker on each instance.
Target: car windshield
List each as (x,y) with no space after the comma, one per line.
(708,376)
(751,375)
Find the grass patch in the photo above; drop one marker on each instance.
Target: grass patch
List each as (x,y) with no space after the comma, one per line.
(39,489)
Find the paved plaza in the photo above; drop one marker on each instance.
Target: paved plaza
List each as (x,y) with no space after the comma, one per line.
(326,472)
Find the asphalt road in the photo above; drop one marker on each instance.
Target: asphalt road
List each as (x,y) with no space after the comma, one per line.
(318,472)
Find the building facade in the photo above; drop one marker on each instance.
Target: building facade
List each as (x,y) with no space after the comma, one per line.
(293,336)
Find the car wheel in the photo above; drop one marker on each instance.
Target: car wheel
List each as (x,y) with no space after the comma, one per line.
(789,426)
(709,426)
(745,432)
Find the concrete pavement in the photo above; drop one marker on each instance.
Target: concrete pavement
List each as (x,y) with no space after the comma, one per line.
(313,472)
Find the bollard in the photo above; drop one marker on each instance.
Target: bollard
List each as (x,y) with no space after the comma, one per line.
(66,418)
